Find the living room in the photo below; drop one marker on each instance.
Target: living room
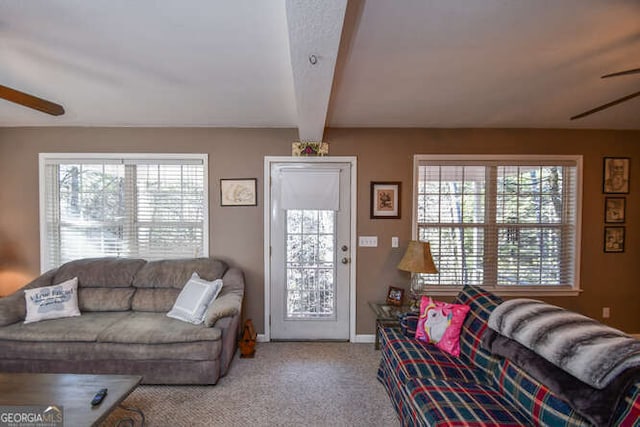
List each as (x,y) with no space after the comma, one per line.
(391,95)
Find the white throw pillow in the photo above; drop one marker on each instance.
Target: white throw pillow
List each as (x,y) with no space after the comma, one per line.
(52,302)
(195,297)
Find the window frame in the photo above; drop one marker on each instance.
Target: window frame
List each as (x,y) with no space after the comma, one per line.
(117,158)
(521,290)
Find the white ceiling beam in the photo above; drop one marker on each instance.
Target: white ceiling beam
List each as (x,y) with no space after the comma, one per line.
(314,28)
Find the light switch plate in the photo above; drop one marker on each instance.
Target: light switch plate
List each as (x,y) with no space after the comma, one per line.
(395,242)
(368,241)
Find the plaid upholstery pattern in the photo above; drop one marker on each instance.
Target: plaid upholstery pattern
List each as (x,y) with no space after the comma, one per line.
(452,403)
(533,398)
(409,323)
(410,358)
(431,388)
(398,393)
(628,412)
(482,304)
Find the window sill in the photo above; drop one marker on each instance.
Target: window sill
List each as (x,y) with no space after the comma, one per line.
(564,291)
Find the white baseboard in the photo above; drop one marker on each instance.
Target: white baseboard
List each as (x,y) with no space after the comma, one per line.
(363,339)
(359,339)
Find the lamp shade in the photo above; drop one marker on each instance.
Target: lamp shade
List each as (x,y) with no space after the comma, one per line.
(417,258)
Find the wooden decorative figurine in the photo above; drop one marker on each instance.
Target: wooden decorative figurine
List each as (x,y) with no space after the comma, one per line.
(248,340)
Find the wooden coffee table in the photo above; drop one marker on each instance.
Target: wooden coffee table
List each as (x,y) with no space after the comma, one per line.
(72,392)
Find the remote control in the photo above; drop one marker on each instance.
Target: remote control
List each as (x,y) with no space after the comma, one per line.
(99,397)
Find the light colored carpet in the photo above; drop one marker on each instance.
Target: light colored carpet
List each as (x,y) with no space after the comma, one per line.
(286,384)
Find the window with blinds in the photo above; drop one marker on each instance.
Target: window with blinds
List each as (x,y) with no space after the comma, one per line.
(139,206)
(509,224)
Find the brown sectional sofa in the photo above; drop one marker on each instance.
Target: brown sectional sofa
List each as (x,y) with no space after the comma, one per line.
(123,328)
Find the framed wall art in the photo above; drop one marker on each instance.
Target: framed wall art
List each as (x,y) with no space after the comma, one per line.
(615,175)
(614,209)
(238,192)
(614,239)
(385,200)
(395,296)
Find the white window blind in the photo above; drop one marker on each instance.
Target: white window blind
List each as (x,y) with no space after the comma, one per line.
(143,206)
(507,224)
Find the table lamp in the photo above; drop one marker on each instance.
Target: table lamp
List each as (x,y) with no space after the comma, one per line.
(417,259)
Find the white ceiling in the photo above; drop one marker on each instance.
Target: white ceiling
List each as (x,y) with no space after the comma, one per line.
(381,63)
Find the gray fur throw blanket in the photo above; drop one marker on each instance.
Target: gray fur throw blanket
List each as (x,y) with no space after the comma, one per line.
(588,350)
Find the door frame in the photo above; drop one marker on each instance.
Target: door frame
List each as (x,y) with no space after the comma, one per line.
(268,160)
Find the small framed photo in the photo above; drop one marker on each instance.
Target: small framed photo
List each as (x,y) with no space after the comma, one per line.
(238,192)
(614,239)
(385,200)
(614,209)
(395,296)
(616,175)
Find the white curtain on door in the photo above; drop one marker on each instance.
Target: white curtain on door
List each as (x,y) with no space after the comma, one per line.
(310,189)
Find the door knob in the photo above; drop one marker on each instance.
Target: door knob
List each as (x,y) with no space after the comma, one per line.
(345,260)
(344,248)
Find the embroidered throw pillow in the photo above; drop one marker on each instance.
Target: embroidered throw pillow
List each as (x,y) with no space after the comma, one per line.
(52,302)
(440,323)
(195,297)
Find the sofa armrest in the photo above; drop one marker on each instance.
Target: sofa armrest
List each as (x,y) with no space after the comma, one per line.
(13,308)
(229,302)
(227,305)
(233,281)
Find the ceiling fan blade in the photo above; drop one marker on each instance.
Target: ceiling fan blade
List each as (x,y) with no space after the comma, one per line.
(622,73)
(605,106)
(31,101)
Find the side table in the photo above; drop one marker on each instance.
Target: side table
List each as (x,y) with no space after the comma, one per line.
(387,316)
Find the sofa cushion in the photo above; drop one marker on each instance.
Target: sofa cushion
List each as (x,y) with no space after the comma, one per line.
(84,328)
(105,299)
(532,397)
(438,402)
(628,412)
(120,352)
(482,303)
(52,302)
(155,328)
(100,272)
(174,273)
(410,358)
(155,300)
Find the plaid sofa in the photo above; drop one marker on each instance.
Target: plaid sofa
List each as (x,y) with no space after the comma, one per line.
(429,387)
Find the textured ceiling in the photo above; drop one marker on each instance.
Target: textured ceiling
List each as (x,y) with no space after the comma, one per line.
(408,63)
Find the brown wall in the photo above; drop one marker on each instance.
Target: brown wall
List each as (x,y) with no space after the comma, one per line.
(383,155)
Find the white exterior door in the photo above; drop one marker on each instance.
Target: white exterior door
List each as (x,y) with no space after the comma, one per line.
(310,250)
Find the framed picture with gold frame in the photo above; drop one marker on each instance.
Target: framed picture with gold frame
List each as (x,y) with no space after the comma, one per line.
(395,296)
